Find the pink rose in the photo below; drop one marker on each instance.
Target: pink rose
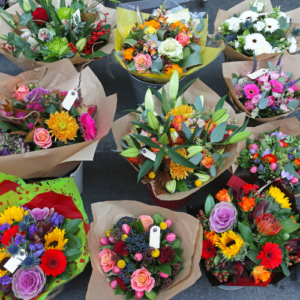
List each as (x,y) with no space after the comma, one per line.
(290,90)
(116,269)
(169,222)
(274,75)
(170,237)
(114,284)
(104,241)
(42,138)
(21,92)
(273,166)
(147,221)
(271,101)
(106,260)
(294,180)
(138,256)
(249,105)
(254,146)
(183,39)
(142,62)
(263,79)
(253,169)
(141,280)
(255,99)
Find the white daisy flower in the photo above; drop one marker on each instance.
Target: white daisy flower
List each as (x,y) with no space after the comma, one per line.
(293,46)
(271,25)
(248,15)
(259,26)
(233,24)
(282,14)
(264,47)
(253,41)
(259,6)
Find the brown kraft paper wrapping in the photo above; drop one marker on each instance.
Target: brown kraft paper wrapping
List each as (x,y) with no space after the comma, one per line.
(186,228)
(26,64)
(289,63)
(222,15)
(58,161)
(122,127)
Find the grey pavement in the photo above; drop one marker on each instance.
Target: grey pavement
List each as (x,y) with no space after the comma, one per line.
(110,177)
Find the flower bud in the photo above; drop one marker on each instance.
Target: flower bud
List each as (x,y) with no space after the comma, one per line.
(178,102)
(174,85)
(174,136)
(193,150)
(203,177)
(169,223)
(164,139)
(160,129)
(138,256)
(63,50)
(104,241)
(92,110)
(239,137)
(273,166)
(26,6)
(253,169)
(152,120)
(139,295)
(170,237)
(171,186)
(149,102)
(114,284)
(112,240)
(223,119)
(126,228)
(116,270)
(294,180)
(218,114)
(163,275)
(81,44)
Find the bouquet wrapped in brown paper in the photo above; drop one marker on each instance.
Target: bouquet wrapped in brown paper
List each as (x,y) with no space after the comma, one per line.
(47,32)
(266,90)
(256,28)
(43,134)
(184,148)
(182,246)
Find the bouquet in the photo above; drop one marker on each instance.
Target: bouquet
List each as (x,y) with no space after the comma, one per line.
(47,33)
(181,148)
(152,47)
(38,118)
(162,247)
(255,28)
(42,241)
(267,92)
(249,233)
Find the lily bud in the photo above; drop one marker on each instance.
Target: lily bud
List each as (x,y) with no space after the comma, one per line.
(81,44)
(116,270)
(174,85)
(171,186)
(170,237)
(104,241)
(26,6)
(114,284)
(138,256)
(149,102)
(174,136)
(203,177)
(163,275)
(221,151)
(239,137)
(126,228)
(169,223)
(64,50)
(152,120)
(218,114)
(193,150)
(178,102)
(223,119)
(139,295)
(164,139)
(160,129)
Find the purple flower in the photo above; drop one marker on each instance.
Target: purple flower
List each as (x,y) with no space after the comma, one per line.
(261,168)
(29,283)
(32,229)
(287,175)
(4,227)
(40,214)
(222,217)
(20,239)
(252,151)
(21,115)
(5,280)
(279,135)
(36,106)
(38,253)
(266,152)
(38,97)
(56,219)
(256,161)
(291,156)
(32,247)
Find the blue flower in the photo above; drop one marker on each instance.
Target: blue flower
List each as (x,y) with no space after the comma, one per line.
(30,261)
(32,247)
(5,280)
(256,161)
(287,175)
(266,152)
(4,227)
(23,225)
(20,239)
(247,24)
(32,229)
(13,249)
(218,36)
(261,168)
(230,38)
(291,156)
(38,253)
(56,219)
(279,135)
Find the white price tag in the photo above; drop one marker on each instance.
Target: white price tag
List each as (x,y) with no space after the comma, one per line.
(258,73)
(77,13)
(147,153)
(70,99)
(154,240)
(14,262)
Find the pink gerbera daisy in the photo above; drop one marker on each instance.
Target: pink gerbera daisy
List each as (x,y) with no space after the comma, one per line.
(277,86)
(251,90)
(88,126)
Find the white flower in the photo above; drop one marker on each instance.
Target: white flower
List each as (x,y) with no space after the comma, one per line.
(271,25)
(284,107)
(243,80)
(293,46)
(42,35)
(259,26)
(253,41)
(264,47)
(236,44)
(26,34)
(248,15)
(282,14)
(172,49)
(233,24)
(34,44)
(259,5)
(254,112)
(276,50)
(219,28)
(276,95)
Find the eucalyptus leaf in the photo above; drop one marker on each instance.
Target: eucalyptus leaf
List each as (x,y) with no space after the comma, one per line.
(263,103)
(157,65)
(196,159)
(293,104)
(213,171)
(218,133)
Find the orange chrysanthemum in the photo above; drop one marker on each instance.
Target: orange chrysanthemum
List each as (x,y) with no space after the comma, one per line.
(151,23)
(177,171)
(128,54)
(62,126)
(247,204)
(212,236)
(223,196)
(185,110)
(171,70)
(260,273)
(178,24)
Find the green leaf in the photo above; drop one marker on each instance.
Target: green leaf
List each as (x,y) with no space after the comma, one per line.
(132,110)
(293,104)
(147,165)
(263,103)
(130,42)
(158,159)
(8,23)
(246,165)
(181,186)
(213,171)
(151,295)
(167,124)
(157,65)
(164,269)
(8,126)
(146,141)
(166,104)
(209,205)
(6,14)
(192,60)
(285,269)
(187,131)
(21,4)
(135,142)
(141,226)
(198,102)
(185,87)
(196,132)
(157,219)
(246,233)
(129,295)
(252,254)
(73,241)
(218,133)
(176,244)
(288,226)
(62,3)
(156,93)
(177,158)
(63,276)
(72,254)
(220,103)
(72,226)
(119,291)
(143,126)
(32,5)
(196,159)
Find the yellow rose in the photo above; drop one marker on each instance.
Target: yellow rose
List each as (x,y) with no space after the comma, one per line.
(150,30)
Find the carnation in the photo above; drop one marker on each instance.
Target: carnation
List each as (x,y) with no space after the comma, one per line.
(293,42)
(64,13)
(259,26)
(233,24)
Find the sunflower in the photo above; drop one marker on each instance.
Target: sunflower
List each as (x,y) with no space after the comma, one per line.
(63,126)
(177,171)
(55,239)
(4,257)
(230,244)
(185,110)
(11,214)
(279,197)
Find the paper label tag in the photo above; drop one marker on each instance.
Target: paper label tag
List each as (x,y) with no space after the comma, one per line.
(258,73)
(14,262)
(70,99)
(147,153)
(77,13)
(154,240)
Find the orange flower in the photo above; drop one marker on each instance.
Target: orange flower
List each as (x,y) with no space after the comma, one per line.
(179,25)
(154,149)
(292,217)
(133,160)
(128,54)
(212,236)
(169,70)
(297,162)
(151,23)
(212,126)
(255,156)
(247,204)
(223,196)
(177,124)
(207,162)
(260,273)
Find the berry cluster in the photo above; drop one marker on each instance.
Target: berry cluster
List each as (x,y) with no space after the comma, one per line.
(137,242)
(126,273)
(294,259)
(203,220)
(222,276)
(73,47)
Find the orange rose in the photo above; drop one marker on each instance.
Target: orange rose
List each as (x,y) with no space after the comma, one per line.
(128,54)
(297,162)
(21,92)
(152,23)
(171,70)
(247,204)
(207,162)
(212,236)
(223,196)
(261,274)
(133,160)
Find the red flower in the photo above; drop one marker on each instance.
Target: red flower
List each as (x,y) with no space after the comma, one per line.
(53,262)
(166,255)
(40,14)
(177,124)
(208,249)
(267,224)
(9,234)
(270,158)
(120,248)
(283,143)
(248,188)
(133,160)
(270,256)
(122,285)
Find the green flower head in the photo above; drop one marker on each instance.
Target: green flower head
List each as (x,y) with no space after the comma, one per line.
(64,12)
(58,45)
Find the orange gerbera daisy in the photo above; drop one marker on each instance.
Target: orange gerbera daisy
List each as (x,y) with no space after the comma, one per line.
(247,204)
(151,23)
(212,236)
(178,24)
(171,70)
(128,54)
(177,171)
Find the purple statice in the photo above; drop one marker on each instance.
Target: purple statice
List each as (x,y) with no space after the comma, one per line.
(291,156)
(56,219)
(38,97)
(279,135)
(5,280)
(256,161)
(266,152)
(261,168)
(31,230)
(20,239)
(4,227)
(287,175)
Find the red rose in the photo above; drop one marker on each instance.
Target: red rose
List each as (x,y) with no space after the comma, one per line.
(122,285)
(166,255)
(120,248)
(208,249)
(40,14)
(248,188)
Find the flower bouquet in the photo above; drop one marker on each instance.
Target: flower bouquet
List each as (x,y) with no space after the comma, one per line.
(163,248)
(266,91)
(42,241)
(250,235)
(255,28)
(35,121)
(152,47)
(43,32)
(184,147)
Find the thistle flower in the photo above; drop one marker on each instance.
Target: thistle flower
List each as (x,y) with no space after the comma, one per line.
(267,225)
